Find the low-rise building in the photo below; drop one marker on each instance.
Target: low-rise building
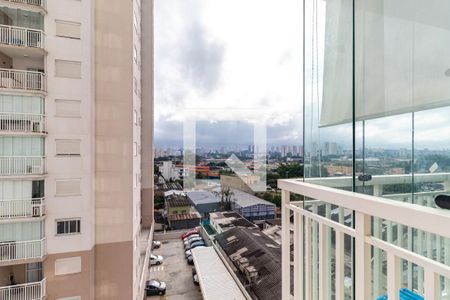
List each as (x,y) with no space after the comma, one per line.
(204,202)
(180,213)
(252,207)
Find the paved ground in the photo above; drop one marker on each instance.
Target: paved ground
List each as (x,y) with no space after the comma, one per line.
(175,272)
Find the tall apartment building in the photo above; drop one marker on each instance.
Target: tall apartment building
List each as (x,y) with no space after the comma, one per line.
(75,148)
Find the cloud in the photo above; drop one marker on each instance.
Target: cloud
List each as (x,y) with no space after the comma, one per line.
(229,58)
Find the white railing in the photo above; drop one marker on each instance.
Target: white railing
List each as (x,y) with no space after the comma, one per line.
(13,251)
(22,37)
(22,208)
(22,122)
(22,165)
(26,291)
(23,80)
(39,3)
(312,243)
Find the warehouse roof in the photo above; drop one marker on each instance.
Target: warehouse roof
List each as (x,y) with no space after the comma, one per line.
(177,200)
(244,199)
(202,197)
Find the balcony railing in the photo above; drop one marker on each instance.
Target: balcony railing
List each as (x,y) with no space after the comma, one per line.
(23,208)
(22,37)
(23,80)
(21,122)
(38,3)
(316,255)
(22,165)
(14,251)
(27,291)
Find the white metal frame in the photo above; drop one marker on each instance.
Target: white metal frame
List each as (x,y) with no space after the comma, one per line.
(22,208)
(24,250)
(22,165)
(26,291)
(430,220)
(22,37)
(23,80)
(21,122)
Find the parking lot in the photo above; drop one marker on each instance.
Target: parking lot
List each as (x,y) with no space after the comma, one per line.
(175,272)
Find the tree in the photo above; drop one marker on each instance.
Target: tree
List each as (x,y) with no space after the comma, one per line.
(225,198)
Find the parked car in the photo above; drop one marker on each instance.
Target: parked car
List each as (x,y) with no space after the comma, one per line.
(156,244)
(190,260)
(186,234)
(195,244)
(155,287)
(194,235)
(195,277)
(156,259)
(190,241)
(189,252)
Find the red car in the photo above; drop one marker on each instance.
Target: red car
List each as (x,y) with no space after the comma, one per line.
(186,234)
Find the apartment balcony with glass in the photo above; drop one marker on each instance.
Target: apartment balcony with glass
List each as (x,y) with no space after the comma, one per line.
(364,222)
(20,156)
(22,282)
(22,242)
(21,115)
(39,6)
(22,29)
(21,199)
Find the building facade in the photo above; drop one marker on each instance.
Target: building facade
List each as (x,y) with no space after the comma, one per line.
(74,201)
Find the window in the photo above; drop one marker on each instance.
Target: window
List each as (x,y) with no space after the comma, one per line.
(135,149)
(67,68)
(68,147)
(69,226)
(68,29)
(68,108)
(68,187)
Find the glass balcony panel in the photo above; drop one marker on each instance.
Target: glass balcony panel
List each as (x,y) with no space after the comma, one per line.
(21,18)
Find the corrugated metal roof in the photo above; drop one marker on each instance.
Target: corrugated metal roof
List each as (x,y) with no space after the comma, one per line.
(243,199)
(216,282)
(202,197)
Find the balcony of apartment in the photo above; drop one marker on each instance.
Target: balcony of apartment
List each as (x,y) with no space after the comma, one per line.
(39,6)
(22,165)
(22,282)
(22,208)
(21,251)
(21,31)
(26,123)
(338,243)
(22,81)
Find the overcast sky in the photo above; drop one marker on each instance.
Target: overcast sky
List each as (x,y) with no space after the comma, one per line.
(230,63)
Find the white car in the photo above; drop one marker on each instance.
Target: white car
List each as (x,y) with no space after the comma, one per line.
(156,244)
(156,259)
(189,252)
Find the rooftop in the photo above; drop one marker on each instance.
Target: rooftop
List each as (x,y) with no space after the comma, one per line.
(244,199)
(184,216)
(202,197)
(177,200)
(229,219)
(257,257)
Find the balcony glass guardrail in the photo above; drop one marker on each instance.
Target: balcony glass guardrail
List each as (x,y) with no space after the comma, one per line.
(23,80)
(22,165)
(22,122)
(22,37)
(14,251)
(39,3)
(22,208)
(26,291)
